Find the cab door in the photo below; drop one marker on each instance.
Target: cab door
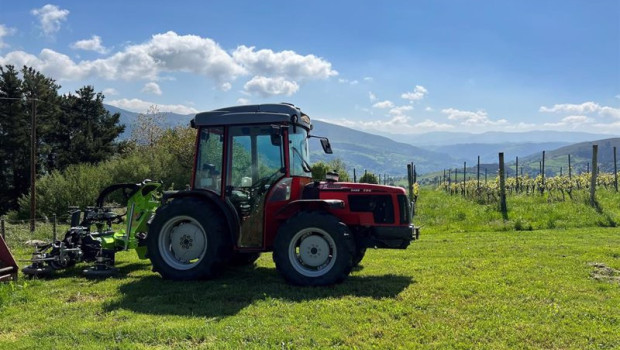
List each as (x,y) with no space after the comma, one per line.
(256,162)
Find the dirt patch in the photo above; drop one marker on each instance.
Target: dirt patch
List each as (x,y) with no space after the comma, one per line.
(604,273)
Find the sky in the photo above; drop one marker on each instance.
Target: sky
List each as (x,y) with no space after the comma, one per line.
(401,67)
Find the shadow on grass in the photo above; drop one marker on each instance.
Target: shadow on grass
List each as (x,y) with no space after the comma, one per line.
(238,288)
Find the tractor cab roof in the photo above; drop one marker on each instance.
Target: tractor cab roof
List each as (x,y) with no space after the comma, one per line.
(253,114)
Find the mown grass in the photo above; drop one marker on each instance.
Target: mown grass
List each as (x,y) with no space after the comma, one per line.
(468,283)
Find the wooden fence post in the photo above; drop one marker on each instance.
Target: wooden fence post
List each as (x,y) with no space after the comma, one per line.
(464,174)
(542,190)
(2,229)
(570,169)
(410,181)
(517,175)
(478,174)
(594,173)
(502,187)
(354,176)
(615,171)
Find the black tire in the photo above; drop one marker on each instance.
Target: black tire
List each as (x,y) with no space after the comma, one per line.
(191,228)
(359,255)
(243,259)
(314,249)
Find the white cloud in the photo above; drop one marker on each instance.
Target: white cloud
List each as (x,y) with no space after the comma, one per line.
(478,118)
(372,96)
(275,73)
(50,18)
(347,81)
(266,87)
(243,101)
(92,44)
(287,64)
(586,107)
(225,86)
(400,110)
(430,125)
(140,106)
(399,124)
(581,109)
(572,122)
(384,104)
(163,53)
(368,79)
(611,112)
(5,31)
(152,88)
(428,109)
(110,92)
(417,94)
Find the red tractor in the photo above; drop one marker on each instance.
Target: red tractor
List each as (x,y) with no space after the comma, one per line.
(252,191)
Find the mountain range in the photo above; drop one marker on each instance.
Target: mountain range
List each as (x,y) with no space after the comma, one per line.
(389,154)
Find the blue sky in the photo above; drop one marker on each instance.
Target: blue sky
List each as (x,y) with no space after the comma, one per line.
(391,66)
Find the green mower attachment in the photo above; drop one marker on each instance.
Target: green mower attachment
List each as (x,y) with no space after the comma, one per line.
(99,245)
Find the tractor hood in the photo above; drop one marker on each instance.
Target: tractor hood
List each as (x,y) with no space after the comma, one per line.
(313,190)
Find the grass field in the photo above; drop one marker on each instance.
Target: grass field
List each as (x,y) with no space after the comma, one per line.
(477,285)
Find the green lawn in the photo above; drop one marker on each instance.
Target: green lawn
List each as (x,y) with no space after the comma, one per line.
(451,289)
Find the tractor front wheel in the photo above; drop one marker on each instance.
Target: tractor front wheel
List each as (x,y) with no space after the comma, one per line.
(185,240)
(314,249)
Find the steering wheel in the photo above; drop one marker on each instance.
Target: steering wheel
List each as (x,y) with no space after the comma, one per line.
(259,187)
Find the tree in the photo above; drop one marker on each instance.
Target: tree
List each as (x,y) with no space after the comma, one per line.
(148,127)
(320,170)
(14,139)
(85,132)
(69,129)
(369,178)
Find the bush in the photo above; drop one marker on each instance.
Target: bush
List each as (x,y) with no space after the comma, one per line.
(169,161)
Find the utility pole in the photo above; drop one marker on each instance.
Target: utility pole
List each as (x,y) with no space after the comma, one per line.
(33,164)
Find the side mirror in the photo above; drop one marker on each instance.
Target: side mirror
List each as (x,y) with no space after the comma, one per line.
(276,140)
(327,148)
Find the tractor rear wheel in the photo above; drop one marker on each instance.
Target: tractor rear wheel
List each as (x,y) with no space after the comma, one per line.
(185,240)
(359,255)
(314,249)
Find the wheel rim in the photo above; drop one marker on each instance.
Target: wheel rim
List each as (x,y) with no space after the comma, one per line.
(182,242)
(312,252)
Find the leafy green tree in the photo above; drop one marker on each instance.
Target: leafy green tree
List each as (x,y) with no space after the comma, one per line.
(320,170)
(14,138)
(369,178)
(70,129)
(85,132)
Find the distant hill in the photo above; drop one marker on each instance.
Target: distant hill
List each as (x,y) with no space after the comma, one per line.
(495,137)
(129,118)
(377,154)
(488,152)
(382,155)
(581,156)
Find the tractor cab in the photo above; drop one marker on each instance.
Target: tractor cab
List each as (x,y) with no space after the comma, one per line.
(249,156)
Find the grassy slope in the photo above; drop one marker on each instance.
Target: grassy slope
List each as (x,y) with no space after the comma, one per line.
(501,289)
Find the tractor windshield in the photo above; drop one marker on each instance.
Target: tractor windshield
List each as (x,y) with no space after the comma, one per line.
(298,152)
